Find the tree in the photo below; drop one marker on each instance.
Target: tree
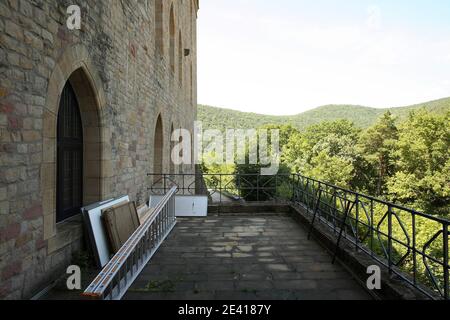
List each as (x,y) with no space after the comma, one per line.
(332,169)
(286,132)
(377,145)
(251,184)
(423,178)
(325,151)
(294,153)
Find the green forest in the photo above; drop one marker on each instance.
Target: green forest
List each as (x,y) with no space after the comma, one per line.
(362,117)
(402,158)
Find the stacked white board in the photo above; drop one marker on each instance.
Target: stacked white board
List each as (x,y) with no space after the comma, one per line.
(98,237)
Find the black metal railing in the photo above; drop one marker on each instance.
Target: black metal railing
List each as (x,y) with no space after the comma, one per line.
(412,245)
(226,187)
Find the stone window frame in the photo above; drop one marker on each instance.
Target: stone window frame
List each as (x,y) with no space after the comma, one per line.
(160,112)
(180,59)
(176,123)
(159,27)
(158,144)
(74,65)
(172,169)
(172,39)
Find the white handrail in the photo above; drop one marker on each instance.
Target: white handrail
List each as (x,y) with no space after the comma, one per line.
(121,271)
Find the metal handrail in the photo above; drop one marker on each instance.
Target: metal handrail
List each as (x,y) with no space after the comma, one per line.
(121,271)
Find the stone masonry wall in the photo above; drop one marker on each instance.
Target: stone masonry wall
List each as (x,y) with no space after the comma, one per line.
(121,77)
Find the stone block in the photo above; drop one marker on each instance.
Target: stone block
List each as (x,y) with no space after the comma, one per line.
(26,8)
(31,135)
(48,171)
(12,269)
(3,193)
(33,212)
(49,226)
(49,150)
(10,232)
(4,207)
(14,30)
(49,123)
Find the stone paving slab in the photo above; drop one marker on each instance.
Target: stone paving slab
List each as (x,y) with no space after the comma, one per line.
(243,258)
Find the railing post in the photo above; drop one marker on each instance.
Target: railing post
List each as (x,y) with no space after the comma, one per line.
(315,213)
(239,183)
(357,222)
(446,262)
(276,185)
(316,187)
(307,193)
(414,248)
(311,193)
(372,228)
(165,183)
(220,190)
(318,196)
(390,238)
(257,187)
(293,188)
(342,230)
(304,188)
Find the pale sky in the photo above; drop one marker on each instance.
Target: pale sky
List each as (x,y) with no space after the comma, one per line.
(287,56)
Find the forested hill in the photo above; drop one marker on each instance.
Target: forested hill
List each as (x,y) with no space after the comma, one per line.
(218,118)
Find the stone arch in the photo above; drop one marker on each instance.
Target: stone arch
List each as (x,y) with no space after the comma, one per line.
(180,58)
(180,141)
(172,39)
(158,146)
(172,146)
(159,26)
(74,66)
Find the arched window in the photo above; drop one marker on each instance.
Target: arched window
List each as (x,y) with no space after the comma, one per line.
(158,147)
(159,27)
(172,146)
(69,188)
(172,40)
(180,59)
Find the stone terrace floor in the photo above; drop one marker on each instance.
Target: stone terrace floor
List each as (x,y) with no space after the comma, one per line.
(243,258)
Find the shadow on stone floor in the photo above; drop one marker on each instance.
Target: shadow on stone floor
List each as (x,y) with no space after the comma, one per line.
(243,258)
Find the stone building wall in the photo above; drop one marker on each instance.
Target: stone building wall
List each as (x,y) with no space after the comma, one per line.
(119,65)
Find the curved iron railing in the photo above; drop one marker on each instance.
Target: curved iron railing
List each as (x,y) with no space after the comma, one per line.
(391,234)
